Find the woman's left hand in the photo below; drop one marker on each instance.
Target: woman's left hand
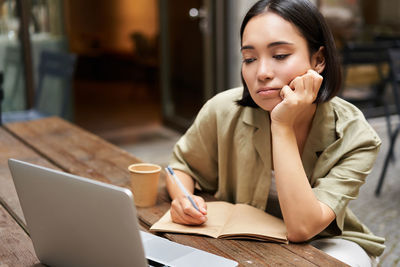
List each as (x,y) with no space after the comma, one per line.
(301,93)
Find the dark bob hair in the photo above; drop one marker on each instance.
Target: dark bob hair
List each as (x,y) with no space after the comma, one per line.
(312,25)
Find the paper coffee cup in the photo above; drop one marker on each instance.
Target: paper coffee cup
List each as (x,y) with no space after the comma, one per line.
(144,183)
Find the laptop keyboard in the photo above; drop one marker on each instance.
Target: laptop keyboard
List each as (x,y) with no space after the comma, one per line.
(159,249)
(155,264)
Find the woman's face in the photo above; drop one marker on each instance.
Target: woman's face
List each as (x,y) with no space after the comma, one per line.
(274,53)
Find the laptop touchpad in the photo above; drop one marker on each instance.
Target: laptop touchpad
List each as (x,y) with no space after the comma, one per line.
(163,250)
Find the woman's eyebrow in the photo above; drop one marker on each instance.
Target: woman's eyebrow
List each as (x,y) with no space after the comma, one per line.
(279,43)
(246,47)
(270,45)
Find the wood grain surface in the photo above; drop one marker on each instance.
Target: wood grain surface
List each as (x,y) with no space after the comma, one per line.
(16,247)
(55,143)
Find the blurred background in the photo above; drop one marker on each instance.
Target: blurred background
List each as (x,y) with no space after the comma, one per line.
(155,62)
(142,69)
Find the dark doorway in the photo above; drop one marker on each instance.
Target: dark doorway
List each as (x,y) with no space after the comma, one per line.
(116,83)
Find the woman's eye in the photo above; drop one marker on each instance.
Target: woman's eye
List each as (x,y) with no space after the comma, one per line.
(248,60)
(281,56)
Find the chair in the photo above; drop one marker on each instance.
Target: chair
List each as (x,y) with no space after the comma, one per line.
(367,54)
(56,66)
(374,53)
(394,62)
(392,41)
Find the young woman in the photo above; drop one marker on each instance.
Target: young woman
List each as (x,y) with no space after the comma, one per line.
(282,142)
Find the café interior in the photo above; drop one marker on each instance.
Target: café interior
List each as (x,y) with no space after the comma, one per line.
(139,71)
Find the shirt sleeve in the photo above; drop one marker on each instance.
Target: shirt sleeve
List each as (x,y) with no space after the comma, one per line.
(196,151)
(349,160)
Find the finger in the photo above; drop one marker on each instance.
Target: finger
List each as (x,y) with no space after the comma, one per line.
(178,215)
(177,218)
(310,94)
(318,82)
(308,80)
(175,214)
(286,92)
(311,71)
(184,219)
(192,221)
(181,218)
(189,210)
(201,204)
(297,84)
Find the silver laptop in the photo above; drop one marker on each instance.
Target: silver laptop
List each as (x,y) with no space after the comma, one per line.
(74,221)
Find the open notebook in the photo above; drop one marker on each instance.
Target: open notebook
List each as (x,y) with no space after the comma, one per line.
(230,221)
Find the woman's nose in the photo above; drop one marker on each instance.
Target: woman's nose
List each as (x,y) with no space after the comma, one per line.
(264,71)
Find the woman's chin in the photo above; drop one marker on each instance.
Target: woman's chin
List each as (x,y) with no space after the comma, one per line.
(268,105)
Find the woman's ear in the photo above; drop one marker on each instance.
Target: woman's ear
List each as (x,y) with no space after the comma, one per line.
(318,60)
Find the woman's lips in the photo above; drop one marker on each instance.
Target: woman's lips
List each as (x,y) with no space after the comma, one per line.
(268,91)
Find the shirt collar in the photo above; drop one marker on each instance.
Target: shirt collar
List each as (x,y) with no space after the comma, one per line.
(255,117)
(322,133)
(323,127)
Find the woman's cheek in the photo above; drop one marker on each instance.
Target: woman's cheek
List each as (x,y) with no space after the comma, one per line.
(247,76)
(291,70)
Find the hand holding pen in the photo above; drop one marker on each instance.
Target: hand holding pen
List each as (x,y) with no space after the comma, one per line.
(186,208)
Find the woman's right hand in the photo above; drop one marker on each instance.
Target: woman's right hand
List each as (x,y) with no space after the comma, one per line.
(183,212)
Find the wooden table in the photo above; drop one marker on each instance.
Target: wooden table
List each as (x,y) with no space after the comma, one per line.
(55,143)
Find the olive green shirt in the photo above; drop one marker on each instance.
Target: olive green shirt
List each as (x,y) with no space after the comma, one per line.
(227,151)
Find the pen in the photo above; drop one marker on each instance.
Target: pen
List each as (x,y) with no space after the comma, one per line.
(183,189)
